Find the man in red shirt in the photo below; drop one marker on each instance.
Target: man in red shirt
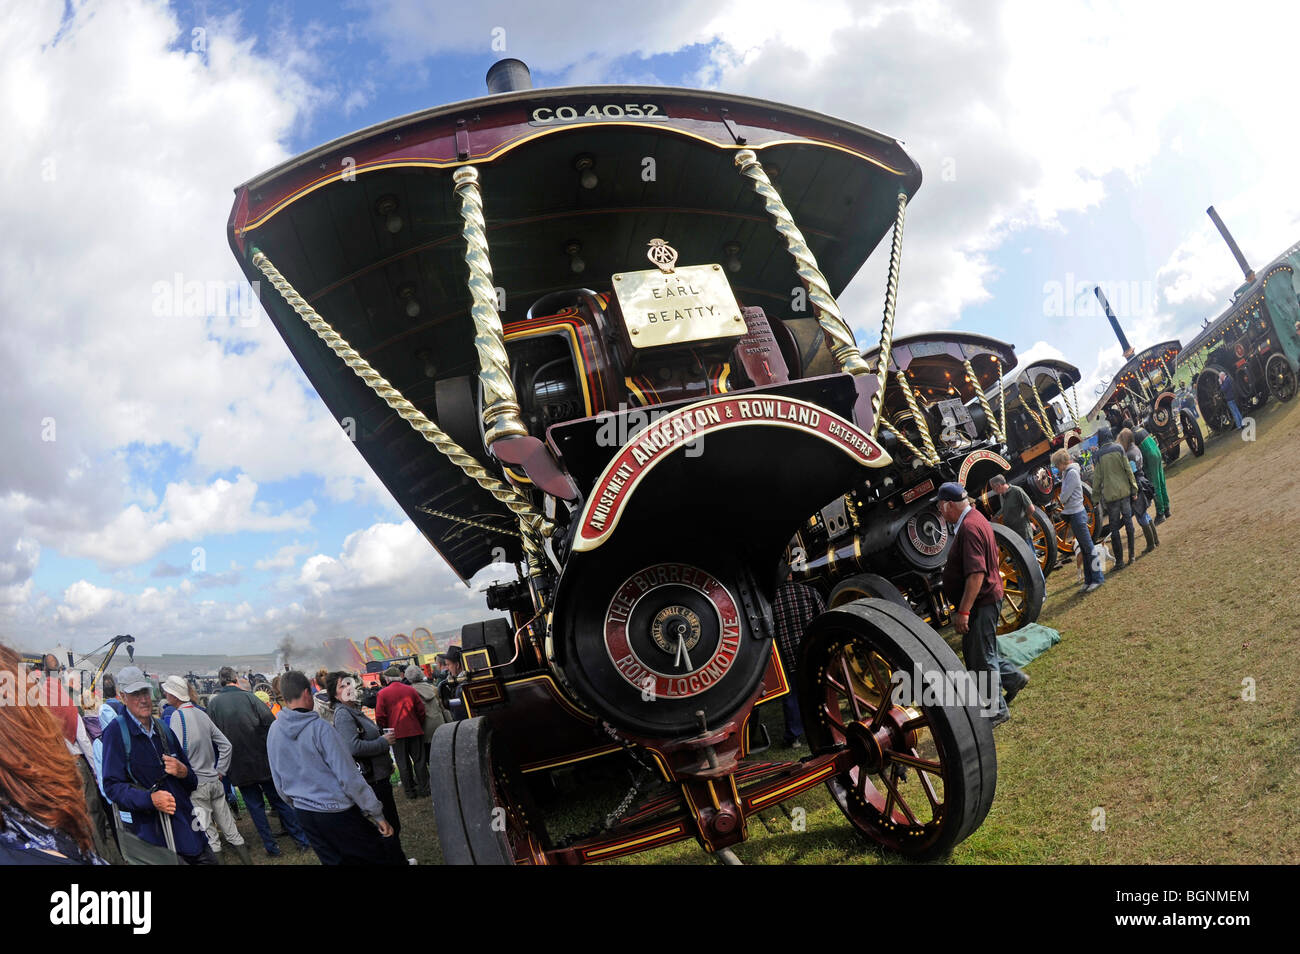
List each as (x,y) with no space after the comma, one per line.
(973,585)
(400,708)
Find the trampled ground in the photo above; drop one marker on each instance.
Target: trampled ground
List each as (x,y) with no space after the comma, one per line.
(1139,711)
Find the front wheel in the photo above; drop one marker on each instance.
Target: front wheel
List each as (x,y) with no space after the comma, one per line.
(1023,587)
(924,766)
(481,806)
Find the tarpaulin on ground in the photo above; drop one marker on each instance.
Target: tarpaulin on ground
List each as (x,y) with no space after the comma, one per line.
(1027,643)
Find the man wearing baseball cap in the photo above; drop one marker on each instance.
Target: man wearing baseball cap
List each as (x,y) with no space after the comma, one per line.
(147,773)
(973,585)
(209,754)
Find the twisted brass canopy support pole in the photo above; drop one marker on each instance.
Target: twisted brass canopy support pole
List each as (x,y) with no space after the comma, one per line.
(500,403)
(531,525)
(1000,429)
(931,456)
(1039,401)
(891,306)
(902,440)
(984,401)
(838,334)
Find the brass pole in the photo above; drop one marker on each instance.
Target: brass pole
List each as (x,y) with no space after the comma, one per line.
(922,425)
(1002,401)
(891,305)
(984,401)
(1039,401)
(500,403)
(840,336)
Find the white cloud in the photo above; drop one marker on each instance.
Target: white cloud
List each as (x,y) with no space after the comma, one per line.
(188,513)
(283,559)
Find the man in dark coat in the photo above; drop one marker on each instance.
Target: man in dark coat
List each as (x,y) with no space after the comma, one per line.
(147,774)
(245,721)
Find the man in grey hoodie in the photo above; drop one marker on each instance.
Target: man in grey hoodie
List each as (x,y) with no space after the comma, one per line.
(314,772)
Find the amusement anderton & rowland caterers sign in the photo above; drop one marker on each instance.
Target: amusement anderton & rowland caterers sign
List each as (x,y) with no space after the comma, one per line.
(686,425)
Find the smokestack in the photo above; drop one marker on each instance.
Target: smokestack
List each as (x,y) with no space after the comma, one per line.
(1232,245)
(505,76)
(1114,323)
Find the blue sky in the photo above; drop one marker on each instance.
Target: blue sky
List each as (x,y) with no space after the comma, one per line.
(1084,142)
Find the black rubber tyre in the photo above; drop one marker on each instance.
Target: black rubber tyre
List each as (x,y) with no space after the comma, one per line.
(866,586)
(1045,546)
(481,806)
(1280,377)
(930,783)
(1192,434)
(1022,581)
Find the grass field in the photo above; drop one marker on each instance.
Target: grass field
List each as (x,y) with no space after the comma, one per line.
(1138,712)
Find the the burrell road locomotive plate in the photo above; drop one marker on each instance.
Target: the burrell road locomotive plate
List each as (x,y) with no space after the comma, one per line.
(659,617)
(690,304)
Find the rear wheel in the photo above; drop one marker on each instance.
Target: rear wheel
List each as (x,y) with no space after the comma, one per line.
(923,775)
(1023,587)
(1281,378)
(482,808)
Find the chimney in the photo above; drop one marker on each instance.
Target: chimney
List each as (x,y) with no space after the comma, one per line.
(1114,323)
(1232,245)
(508,75)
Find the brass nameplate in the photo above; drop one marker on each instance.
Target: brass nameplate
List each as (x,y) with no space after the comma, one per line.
(693,303)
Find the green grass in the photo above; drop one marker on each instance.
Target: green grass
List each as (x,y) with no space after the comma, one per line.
(1138,711)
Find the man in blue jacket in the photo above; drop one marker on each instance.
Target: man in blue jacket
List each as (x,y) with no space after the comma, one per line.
(1230,396)
(147,774)
(315,773)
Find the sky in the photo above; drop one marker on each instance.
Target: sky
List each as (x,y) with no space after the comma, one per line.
(170,473)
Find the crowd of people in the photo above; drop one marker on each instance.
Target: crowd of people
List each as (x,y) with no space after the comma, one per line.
(130,774)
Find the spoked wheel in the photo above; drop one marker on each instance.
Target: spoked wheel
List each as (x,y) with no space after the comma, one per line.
(866,586)
(1045,545)
(1192,434)
(924,764)
(482,809)
(1023,587)
(1280,377)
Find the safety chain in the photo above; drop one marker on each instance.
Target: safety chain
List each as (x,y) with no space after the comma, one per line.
(531,525)
(998,432)
(480,524)
(891,306)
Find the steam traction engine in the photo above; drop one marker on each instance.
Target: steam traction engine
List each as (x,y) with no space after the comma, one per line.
(1036,427)
(641,439)
(1256,342)
(885,539)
